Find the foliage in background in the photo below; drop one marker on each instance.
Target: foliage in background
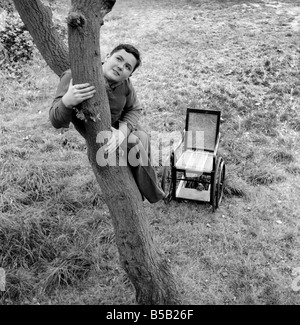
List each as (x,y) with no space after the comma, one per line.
(16,45)
(7,5)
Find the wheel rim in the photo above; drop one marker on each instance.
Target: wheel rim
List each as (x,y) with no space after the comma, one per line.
(166,181)
(165,177)
(220,182)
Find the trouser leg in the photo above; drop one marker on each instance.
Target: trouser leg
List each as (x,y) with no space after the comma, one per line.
(139,162)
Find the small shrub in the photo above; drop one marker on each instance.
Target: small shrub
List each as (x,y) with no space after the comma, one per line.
(16,46)
(7,5)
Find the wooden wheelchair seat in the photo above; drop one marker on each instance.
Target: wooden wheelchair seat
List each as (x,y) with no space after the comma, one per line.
(196,161)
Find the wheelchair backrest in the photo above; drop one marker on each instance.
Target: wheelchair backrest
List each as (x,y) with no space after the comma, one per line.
(201,129)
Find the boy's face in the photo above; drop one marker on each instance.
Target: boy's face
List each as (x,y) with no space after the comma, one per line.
(119,66)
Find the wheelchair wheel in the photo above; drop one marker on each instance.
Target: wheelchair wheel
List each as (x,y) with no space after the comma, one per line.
(219,182)
(166,181)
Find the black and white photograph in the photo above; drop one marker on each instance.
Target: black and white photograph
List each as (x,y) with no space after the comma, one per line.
(149,155)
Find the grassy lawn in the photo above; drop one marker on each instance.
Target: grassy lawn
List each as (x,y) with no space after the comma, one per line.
(241,57)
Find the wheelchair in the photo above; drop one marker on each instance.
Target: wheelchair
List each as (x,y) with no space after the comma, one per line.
(194,170)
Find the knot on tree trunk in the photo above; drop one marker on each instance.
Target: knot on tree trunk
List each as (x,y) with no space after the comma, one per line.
(76,20)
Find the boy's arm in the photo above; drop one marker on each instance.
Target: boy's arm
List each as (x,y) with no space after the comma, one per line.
(132,111)
(60,115)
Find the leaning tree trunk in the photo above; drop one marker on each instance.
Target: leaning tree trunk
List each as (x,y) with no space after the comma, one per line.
(147,269)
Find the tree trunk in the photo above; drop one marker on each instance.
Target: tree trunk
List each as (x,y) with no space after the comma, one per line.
(147,269)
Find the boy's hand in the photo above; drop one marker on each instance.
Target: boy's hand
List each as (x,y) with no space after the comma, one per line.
(76,94)
(116,139)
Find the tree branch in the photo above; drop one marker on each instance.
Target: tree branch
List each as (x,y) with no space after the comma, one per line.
(44,34)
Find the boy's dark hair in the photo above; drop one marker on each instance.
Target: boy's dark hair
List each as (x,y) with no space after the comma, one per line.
(129,49)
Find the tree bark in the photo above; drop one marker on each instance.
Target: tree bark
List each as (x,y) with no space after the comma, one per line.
(147,269)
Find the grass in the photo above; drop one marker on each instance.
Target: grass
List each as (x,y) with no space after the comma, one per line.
(56,238)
